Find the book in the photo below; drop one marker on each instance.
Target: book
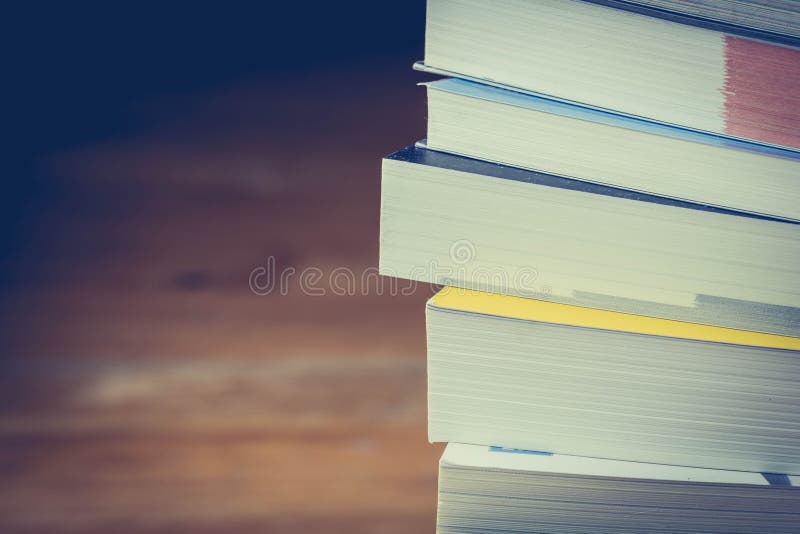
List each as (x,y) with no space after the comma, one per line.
(457,221)
(527,131)
(726,76)
(609,194)
(759,18)
(490,489)
(528,374)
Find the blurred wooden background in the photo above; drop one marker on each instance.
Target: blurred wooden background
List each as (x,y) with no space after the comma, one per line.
(146,388)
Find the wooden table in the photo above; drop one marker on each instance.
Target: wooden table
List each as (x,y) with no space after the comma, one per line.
(146,388)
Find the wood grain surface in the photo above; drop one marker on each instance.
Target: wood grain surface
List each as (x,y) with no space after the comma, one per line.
(146,388)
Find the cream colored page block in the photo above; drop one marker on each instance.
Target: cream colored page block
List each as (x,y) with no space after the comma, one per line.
(623,246)
(606,154)
(576,50)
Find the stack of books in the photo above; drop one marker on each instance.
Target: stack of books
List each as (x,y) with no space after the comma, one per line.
(610,192)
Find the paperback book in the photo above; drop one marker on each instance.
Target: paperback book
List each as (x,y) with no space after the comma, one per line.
(491,489)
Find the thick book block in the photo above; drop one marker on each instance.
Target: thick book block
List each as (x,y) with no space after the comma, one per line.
(458,221)
(529,374)
(698,73)
(483,489)
(493,124)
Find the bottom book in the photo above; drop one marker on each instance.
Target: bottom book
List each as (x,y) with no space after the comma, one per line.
(491,489)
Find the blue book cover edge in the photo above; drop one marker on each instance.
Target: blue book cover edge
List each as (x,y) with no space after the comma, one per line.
(543,104)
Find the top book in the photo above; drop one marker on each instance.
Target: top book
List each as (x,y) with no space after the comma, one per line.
(729,68)
(777,17)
